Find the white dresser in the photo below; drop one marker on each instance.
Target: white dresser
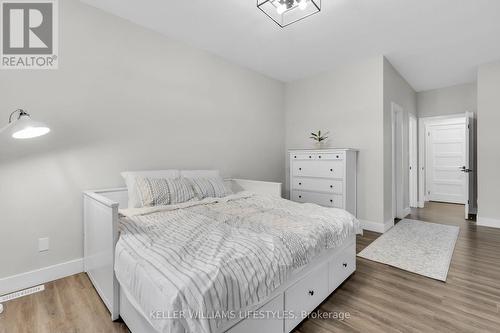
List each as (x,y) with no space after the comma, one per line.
(326,177)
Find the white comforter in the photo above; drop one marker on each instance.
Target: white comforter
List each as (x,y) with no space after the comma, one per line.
(213,257)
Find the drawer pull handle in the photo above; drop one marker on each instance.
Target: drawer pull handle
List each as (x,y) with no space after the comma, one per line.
(344,264)
(311,292)
(300,183)
(319,156)
(331,170)
(300,169)
(310,156)
(331,200)
(331,186)
(300,197)
(295,157)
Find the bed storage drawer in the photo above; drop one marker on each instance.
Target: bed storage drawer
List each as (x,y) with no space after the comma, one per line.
(272,321)
(322,199)
(342,266)
(305,296)
(318,185)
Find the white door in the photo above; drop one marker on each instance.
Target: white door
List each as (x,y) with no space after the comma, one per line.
(446,151)
(398,150)
(413,153)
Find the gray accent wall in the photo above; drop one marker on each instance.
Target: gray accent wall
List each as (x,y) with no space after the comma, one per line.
(348,103)
(123,98)
(447,101)
(396,90)
(488,144)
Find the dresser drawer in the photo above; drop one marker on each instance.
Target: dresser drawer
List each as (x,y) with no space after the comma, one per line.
(318,156)
(304,296)
(318,184)
(342,266)
(322,199)
(320,169)
(261,321)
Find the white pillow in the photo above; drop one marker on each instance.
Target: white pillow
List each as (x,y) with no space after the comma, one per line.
(213,187)
(164,191)
(130,180)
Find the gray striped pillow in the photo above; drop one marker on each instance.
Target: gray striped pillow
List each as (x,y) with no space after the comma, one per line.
(163,191)
(210,188)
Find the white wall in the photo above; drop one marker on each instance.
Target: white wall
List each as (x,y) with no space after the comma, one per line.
(348,103)
(447,101)
(123,98)
(397,90)
(488,141)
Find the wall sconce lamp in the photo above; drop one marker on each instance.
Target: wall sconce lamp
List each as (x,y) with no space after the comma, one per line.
(22,126)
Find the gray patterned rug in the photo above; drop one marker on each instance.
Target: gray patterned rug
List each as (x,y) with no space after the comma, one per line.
(416,246)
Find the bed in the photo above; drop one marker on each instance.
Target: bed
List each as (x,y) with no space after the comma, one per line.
(248,262)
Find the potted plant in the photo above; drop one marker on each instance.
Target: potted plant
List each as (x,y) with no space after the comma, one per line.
(319,138)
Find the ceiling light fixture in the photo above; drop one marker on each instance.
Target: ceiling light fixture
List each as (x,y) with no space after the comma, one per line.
(286,12)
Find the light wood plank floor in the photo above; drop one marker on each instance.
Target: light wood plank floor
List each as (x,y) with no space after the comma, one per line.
(377,297)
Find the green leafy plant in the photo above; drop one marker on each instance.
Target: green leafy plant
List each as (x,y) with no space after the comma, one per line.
(318,137)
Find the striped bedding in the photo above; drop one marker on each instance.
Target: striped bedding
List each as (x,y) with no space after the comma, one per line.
(217,256)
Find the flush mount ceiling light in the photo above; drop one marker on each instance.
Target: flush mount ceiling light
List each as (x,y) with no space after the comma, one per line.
(286,12)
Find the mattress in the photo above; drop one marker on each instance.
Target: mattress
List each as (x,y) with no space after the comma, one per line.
(193,266)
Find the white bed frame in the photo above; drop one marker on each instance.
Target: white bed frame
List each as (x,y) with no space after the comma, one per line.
(304,291)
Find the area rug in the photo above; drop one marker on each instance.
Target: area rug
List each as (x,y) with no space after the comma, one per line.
(416,246)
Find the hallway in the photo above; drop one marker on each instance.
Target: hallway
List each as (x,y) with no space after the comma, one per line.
(444,213)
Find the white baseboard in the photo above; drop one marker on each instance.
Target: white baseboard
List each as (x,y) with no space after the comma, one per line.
(21,281)
(407,211)
(488,222)
(376,226)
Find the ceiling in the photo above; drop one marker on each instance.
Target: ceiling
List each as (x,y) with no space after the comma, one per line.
(432,43)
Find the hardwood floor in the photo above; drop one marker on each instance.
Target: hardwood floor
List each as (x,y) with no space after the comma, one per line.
(377,298)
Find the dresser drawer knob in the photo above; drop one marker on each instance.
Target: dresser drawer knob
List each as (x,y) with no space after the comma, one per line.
(344,264)
(295,157)
(300,197)
(310,156)
(300,169)
(331,200)
(331,170)
(319,156)
(331,186)
(311,292)
(300,183)
(338,156)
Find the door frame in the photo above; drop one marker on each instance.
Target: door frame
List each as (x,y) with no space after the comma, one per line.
(471,163)
(422,154)
(397,117)
(413,160)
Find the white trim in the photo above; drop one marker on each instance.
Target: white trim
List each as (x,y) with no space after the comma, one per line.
(376,226)
(413,160)
(406,211)
(21,281)
(397,113)
(488,222)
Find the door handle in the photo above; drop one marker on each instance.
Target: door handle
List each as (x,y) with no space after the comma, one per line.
(466,170)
